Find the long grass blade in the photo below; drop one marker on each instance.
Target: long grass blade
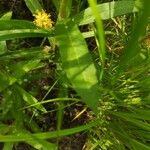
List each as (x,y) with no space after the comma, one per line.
(33,5)
(48,135)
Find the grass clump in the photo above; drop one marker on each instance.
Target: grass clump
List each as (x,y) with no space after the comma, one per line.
(84,74)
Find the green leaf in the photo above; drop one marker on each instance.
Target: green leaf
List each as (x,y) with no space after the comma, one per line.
(65,9)
(124,137)
(34,52)
(3,47)
(137,145)
(16,24)
(6,16)
(137,114)
(18,70)
(5,129)
(6,80)
(41,144)
(21,68)
(8,146)
(33,5)
(56,4)
(22,33)
(10,29)
(141,124)
(48,135)
(132,51)
(99,35)
(107,11)
(77,62)
(27,97)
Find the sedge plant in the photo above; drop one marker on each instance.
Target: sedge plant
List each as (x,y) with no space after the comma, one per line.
(115,88)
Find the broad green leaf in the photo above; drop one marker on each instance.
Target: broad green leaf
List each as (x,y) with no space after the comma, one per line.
(77,62)
(33,5)
(107,11)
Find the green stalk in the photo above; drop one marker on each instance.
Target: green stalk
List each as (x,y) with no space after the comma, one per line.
(99,34)
(62,10)
(65,9)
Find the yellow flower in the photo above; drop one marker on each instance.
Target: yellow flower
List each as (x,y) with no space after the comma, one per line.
(43,20)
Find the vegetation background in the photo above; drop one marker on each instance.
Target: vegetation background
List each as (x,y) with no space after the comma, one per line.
(74,74)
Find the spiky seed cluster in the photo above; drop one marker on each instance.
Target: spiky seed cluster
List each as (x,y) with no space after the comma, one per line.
(43,20)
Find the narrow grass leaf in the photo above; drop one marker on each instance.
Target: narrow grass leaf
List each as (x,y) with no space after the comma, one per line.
(8,146)
(6,16)
(77,62)
(65,9)
(18,70)
(137,114)
(4,129)
(99,34)
(16,24)
(3,47)
(6,80)
(10,29)
(41,144)
(133,49)
(34,52)
(137,145)
(48,135)
(56,4)
(121,134)
(21,68)
(33,5)
(22,33)
(143,125)
(29,99)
